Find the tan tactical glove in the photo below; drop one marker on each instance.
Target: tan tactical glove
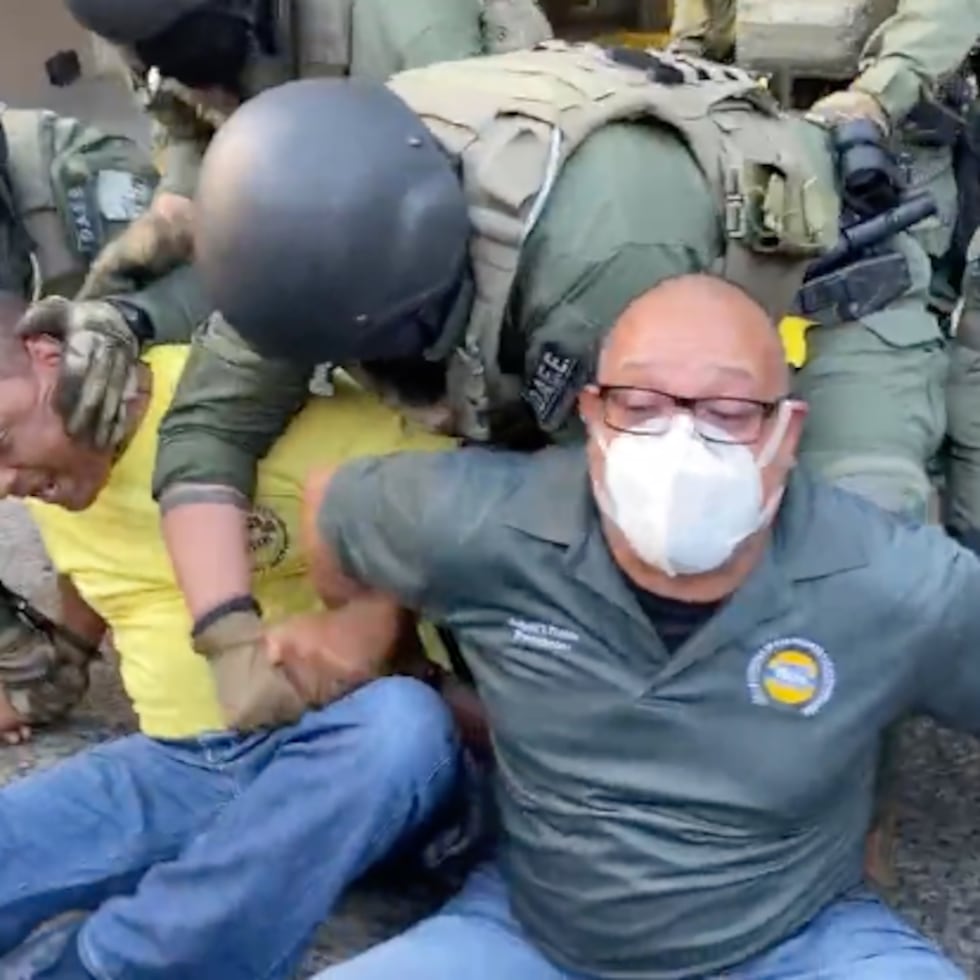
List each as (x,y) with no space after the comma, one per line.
(849,104)
(252,692)
(43,677)
(98,365)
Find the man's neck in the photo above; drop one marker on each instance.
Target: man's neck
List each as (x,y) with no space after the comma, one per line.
(707,587)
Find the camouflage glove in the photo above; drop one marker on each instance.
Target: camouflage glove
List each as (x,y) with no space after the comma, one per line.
(849,104)
(44,677)
(98,365)
(156,243)
(513,25)
(252,692)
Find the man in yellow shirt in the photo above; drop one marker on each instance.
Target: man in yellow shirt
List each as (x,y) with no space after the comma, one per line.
(202,851)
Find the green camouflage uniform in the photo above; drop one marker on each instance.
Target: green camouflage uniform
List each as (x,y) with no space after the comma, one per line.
(72,189)
(629,209)
(922,43)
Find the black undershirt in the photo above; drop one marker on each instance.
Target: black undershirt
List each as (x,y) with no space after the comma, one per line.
(675,621)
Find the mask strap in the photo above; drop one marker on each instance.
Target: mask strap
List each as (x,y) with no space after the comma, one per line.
(775,440)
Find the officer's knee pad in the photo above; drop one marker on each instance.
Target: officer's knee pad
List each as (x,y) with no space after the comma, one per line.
(893,483)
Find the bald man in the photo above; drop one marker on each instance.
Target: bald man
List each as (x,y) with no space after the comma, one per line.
(688,651)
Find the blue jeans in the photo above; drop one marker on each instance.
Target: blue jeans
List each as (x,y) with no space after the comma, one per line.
(218,857)
(475,936)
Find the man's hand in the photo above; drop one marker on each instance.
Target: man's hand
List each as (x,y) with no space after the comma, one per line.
(13,729)
(319,660)
(252,691)
(154,244)
(98,366)
(847,105)
(41,679)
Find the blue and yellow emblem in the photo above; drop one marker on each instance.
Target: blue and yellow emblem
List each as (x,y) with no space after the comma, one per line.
(794,674)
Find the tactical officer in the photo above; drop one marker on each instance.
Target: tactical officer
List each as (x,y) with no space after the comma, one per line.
(194,61)
(472,241)
(914,80)
(67,190)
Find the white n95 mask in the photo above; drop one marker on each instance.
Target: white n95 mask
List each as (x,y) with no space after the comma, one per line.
(685,504)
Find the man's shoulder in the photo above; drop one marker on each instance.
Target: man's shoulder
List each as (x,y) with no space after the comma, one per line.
(482,485)
(826,530)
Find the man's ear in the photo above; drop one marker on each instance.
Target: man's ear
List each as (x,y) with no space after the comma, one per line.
(794,431)
(44,351)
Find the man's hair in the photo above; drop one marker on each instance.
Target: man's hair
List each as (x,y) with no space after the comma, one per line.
(205,47)
(13,356)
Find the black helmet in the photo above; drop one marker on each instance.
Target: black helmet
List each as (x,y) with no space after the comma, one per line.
(130,21)
(330,225)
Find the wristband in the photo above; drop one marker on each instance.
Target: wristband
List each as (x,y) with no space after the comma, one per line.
(240,603)
(136,318)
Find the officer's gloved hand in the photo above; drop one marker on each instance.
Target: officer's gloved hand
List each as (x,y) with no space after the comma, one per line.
(156,243)
(252,692)
(41,679)
(849,104)
(98,366)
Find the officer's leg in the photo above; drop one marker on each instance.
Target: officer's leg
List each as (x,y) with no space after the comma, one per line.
(473,936)
(963,394)
(88,828)
(877,416)
(245,897)
(856,938)
(877,405)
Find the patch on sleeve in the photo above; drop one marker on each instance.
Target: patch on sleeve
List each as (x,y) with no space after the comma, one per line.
(85,224)
(122,196)
(553,385)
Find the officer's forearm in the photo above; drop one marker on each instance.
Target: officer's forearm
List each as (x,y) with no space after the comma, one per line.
(172,307)
(922,42)
(206,534)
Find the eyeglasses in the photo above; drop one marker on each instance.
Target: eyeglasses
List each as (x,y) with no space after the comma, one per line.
(648,412)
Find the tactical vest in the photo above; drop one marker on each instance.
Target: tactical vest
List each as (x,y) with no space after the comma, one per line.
(74,189)
(512,122)
(322,31)
(816,39)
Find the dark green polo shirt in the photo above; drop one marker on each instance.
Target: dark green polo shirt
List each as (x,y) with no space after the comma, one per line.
(669,815)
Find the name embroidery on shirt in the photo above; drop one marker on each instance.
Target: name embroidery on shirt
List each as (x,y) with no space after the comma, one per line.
(793,674)
(541,636)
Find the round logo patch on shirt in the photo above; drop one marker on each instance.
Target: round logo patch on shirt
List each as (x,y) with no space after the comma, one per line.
(793,674)
(268,538)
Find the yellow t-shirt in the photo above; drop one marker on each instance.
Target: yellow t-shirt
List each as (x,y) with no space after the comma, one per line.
(115,555)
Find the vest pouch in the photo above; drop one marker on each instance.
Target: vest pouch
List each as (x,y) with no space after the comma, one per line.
(781,213)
